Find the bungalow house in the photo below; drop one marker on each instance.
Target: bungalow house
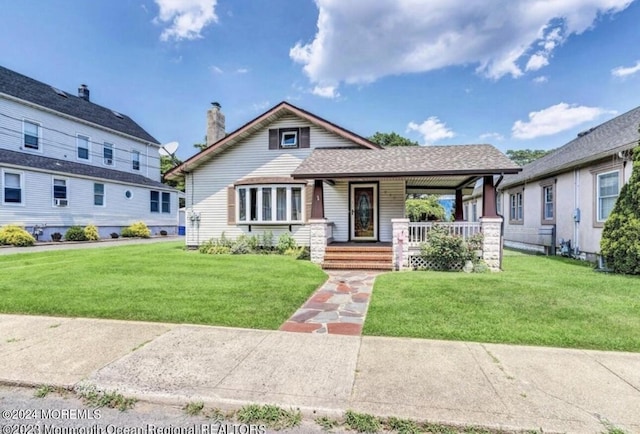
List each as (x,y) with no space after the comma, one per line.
(65,160)
(290,171)
(568,194)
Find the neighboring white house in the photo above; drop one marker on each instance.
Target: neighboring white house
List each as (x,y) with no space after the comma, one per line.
(572,190)
(65,161)
(289,171)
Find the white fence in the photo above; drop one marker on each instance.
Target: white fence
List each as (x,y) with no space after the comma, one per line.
(418,230)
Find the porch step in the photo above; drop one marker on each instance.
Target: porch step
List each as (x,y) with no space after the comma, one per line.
(353,257)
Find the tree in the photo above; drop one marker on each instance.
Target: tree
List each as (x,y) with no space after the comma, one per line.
(391,139)
(620,242)
(423,208)
(167,163)
(201,146)
(526,156)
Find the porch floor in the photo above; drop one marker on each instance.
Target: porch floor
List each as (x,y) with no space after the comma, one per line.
(339,306)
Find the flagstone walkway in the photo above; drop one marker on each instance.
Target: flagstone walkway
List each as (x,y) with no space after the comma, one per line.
(337,307)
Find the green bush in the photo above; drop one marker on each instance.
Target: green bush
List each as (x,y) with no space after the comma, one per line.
(91,233)
(14,235)
(443,250)
(215,247)
(286,242)
(267,241)
(620,242)
(75,233)
(241,246)
(137,229)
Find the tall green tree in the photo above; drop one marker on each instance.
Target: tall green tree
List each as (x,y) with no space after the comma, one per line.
(526,156)
(620,242)
(391,139)
(424,208)
(166,164)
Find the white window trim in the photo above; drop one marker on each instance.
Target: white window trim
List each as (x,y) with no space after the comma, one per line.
(516,204)
(78,147)
(295,137)
(66,184)
(22,190)
(162,195)
(545,217)
(159,211)
(598,197)
(274,209)
(39,124)
(113,154)
(104,194)
(135,152)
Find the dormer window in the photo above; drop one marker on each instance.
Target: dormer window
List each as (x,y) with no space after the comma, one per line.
(31,135)
(289,139)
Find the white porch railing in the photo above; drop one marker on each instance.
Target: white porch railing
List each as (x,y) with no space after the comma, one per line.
(418,230)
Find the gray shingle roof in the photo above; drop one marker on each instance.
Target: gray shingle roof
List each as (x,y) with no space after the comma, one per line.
(26,160)
(405,161)
(620,133)
(28,89)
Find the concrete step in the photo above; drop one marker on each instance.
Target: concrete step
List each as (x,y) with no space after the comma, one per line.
(368,249)
(358,256)
(353,265)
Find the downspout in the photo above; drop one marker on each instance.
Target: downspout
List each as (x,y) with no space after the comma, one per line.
(497,183)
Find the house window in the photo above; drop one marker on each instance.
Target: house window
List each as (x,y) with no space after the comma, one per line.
(269,204)
(607,189)
(31,135)
(135,160)
(548,204)
(98,194)
(166,202)
(499,203)
(107,154)
(155,201)
(13,186)
(60,192)
(289,139)
(474,212)
(516,214)
(83,147)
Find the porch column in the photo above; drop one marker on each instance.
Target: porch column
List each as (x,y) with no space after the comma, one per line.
(488,198)
(318,239)
(492,243)
(400,243)
(459,215)
(317,204)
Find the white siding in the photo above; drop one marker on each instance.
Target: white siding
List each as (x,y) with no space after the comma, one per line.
(207,187)
(58,140)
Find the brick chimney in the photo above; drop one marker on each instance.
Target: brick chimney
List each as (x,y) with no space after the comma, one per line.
(83,92)
(215,124)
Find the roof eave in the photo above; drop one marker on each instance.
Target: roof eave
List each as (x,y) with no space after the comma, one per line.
(350,175)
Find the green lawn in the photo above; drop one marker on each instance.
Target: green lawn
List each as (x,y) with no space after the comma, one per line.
(158,282)
(536,300)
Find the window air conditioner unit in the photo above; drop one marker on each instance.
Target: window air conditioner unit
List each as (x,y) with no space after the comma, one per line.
(108,161)
(61,202)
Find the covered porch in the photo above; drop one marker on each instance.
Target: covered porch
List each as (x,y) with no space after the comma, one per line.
(373,185)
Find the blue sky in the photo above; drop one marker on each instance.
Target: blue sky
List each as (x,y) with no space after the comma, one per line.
(514,73)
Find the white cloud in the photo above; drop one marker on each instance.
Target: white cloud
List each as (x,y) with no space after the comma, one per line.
(215,69)
(186,18)
(492,136)
(326,91)
(242,70)
(623,71)
(541,79)
(360,41)
(432,130)
(554,119)
(260,106)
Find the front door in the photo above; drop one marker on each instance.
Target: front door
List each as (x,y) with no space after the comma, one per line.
(364,212)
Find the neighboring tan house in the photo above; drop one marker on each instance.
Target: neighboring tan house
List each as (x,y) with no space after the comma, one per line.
(65,161)
(569,193)
(290,171)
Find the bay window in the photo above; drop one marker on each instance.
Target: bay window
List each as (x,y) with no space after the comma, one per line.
(269,204)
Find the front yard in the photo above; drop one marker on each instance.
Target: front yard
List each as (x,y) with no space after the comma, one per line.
(535,301)
(158,282)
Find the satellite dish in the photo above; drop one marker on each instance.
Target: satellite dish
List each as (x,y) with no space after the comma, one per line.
(169,149)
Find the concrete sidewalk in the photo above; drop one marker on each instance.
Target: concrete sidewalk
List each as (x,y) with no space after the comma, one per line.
(72,245)
(502,386)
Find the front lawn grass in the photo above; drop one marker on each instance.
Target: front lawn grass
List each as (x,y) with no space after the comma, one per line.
(536,300)
(158,282)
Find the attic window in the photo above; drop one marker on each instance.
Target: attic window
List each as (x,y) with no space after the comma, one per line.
(289,139)
(118,115)
(59,92)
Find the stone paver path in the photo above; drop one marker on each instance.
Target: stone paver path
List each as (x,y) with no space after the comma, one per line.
(337,307)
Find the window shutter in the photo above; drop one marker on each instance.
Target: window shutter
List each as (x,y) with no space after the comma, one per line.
(305,137)
(308,198)
(231,205)
(273,139)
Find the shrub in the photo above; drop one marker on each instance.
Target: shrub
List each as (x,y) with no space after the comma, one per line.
(286,242)
(56,236)
(75,233)
(267,240)
(215,247)
(253,242)
(241,246)
(91,233)
(114,235)
(137,229)
(620,242)
(443,250)
(16,236)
